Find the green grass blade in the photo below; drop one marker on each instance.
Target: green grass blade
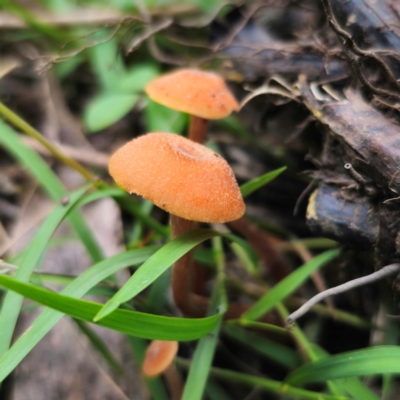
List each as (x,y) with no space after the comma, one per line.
(268,385)
(12,302)
(49,181)
(215,391)
(270,349)
(357,389)
(201,365)
(157,297)
(99,344)
(32,161)
(352,386)
(133,323)
(256,183)
(205,349)
(371,361)
(79,287)
(154,267)
(288,285)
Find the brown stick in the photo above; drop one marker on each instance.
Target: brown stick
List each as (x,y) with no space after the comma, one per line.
(198,129)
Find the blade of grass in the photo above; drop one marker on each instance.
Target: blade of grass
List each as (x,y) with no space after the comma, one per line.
(288,285)
(371,361)
(249,187)
(357,389)
(205,349)
(157,296)
(49,182)
(133,323)
(31,19)
(257,325)
(134,208)
(268,385)
(270,349)
(215,391)
(308,349)
(154,267)
(29,130)
(352,386)
(77,288)
(12,302)
(98,343)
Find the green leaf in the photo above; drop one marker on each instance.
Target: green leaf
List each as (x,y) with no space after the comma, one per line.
(133,323)
(106,109)
(106,60)
(79,287)
(12,302)
(256,183)
(136,78)
(154,267)
(163,119)
(371,361)
(288,285)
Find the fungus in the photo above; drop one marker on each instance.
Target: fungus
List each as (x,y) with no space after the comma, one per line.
(190,181)
(158,360)
(203,95)
(159,356)
(180,176)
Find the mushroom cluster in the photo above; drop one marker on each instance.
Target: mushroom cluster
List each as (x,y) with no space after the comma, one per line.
(184,178)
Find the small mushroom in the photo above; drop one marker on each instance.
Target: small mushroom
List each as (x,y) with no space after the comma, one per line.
(204,95)
(158,360)
(182,177)
(185,178)
(159,356)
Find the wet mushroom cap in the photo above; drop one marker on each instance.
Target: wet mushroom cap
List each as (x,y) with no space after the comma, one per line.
(204,94)
(159,356)
(180,176)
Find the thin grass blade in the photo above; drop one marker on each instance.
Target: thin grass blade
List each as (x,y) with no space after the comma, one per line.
(49,181)
(249,187)
(288,285)
(371,361)
(133,323)
(154,267)
(279,353)
(205,349)
(12,302)
(79,287)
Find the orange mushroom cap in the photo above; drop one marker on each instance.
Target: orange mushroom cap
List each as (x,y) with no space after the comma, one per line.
(159,356)
(204,94)
(180,176)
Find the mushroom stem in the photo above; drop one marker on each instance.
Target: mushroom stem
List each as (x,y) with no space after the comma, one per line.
(198,129)
(181,271)
(175,382)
